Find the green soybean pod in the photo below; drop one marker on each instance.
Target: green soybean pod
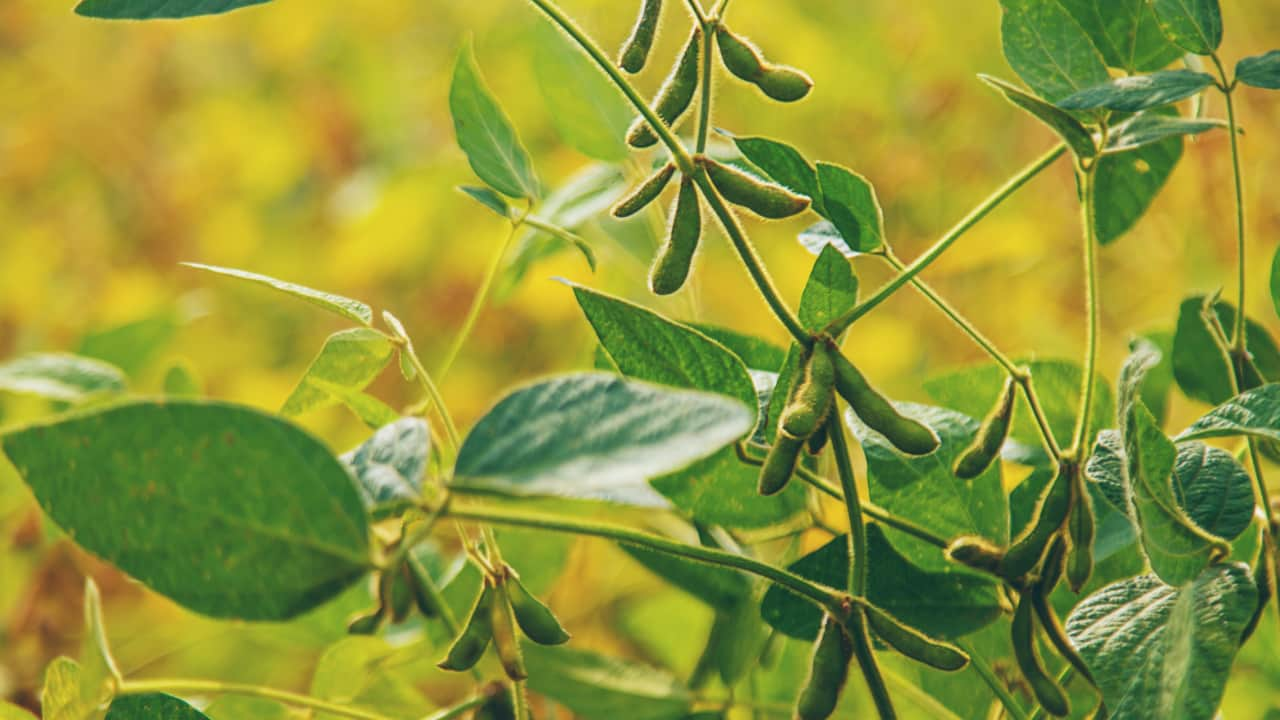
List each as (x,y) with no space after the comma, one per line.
(907,435)
(674,97)
(635,51)
(420,584)
(469,646)
(817,442)
(986,446)
(766,199)
(1051,512)
(779,464)
(740,56)
(976,552)
(366,623)
(1081,528)
(498,704)
(812,397)
(535,618)
(645,193)
(827,673)
(395,593)
(1047,691)
(784,84)
(913,643)
(671,267)
(504,635)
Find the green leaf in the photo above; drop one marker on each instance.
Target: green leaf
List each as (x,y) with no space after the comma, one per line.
(1048,49)
(1147,128)
(783,164)
(487,197)
(349,359)
(849,202)
(228,511)
(596,687)
(586,107)
(1194,25)
(390,465)
(795,616)
(359,671)
(925,490)
(755,353)
(831,291)
(1128,184)
(346,307)
(1135,93)
(1255,413)
(485,134)
(152,706)
(1125,32)
(1200,367)
(1063,123)
(1260,71)
(132,346)
(153,9)
(609,436)
(99,676)
(370,410)
(9,711)
(62,377)
(1160,651)
(61,697)
(718,587)
(821,234)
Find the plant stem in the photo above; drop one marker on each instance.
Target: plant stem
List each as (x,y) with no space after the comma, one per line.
(214,687)
(842,323)
(433,392)
(478,302)
(980,666)
(922,699)
(458,710)
(862,651)
(696,8)
(1088,216)
(1239,340)
(853,504)
(708,85)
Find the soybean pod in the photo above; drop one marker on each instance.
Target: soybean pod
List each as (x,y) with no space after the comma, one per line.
(1081,529)
(635,51)
(907,435)
(785,84)
(976,552)
(780,464)
(469,646)
(671,267)
(675,95)
(1048,693)
(535,619)
(913,643)
(812,397)
(827,673)
(504,634)
(986,446)
(647,192)
(766,199)
(1051,512)
(740,56)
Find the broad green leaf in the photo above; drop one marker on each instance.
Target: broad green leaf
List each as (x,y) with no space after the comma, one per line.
(349,359)
(485,134)
(1135,93)
(370,410)
(1255,413)
(154,9)
(755,353)
(152,706)
(358,671)
(346,307)
(1048,49)
(1200,367)
(389,466)
(832,290)
(489,198)
(926,491)
(1164,652)
(595,435)
(596,687)
(99,676)
(718,587)
(1193,25)
(1260,71)
(1128,183)
(1159,382)
(821,234)
(849,202)
(783,164)
(1125,32)
(62,377)
(795,616)
(1147,128)
(13,712)
(1061,122)
(228,511)
(586,107)
(61,697)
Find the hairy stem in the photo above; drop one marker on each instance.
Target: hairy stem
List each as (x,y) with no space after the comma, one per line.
(853,504)
(865,656)
(1088,216)
(708,84)
(458,710)
(433,393)
(1239,339)
(214,687)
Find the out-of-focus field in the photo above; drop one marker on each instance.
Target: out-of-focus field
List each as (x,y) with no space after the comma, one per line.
(311,140)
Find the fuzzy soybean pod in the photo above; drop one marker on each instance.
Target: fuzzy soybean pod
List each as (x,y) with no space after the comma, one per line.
(505,640)
(1051,512)
(913,643)
(675,95)
(535,619)
(635,51)
(907,435)
(780,464)
(985,449)
(420,583)
(741,57)
(785,84)
(366,623)
(645,193)
(394,589)
(976,552)
(827,673)
(1081,529)
(1047,691)
(811,400)
(766,199)
(671,268)
(470,645)
(817,442)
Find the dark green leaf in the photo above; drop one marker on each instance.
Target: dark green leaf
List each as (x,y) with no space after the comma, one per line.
(1128,184)
(831,291)
(1146,128)
(346,307)
(1135,93)
(795,616)
(228,511)
(756,353)
(1194,25)
(587,109)
(1200,367)
(389,466)
(1255,413)
(1125,32)
(350,359)
(1048,48)
(486,135)
(716,586)
(1061,122)
(1261,71)
(153,9)
(62,377)
(849,202)
(152,706)
(489,198)
(596,687)
(783,164)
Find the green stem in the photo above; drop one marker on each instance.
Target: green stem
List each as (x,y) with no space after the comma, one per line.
(429,386)
(477,303)
(853,504)
(1239,339)
(862,651)
(214,687)
(458,710)
(842,323)
(708,86)
(1088,216)
(696,8)
(980,666)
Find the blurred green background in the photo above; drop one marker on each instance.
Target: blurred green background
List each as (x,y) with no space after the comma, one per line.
(312,141)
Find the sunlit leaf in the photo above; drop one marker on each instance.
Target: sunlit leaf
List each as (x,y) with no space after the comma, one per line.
(1135,93)
(346,307)
(486,135)
(1194,25)
(68,378)
(390,465)
(350,359)
(832,290)
(1048,49)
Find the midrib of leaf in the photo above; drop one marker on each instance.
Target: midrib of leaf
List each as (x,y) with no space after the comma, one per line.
(1044,48)
(1176,659)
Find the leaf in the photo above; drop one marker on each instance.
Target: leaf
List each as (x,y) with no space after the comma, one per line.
(152,706)
(1260,71)
(132,346)
(1127,185)
(1255,413)
(831,291)
(596,687)
(1145,128)
(1048,49)
(370,410)
(346,307)
(390,465)
(1160,651)
(229,512)
(783,164)
(99,676)
(1125,32)
(359,671)
(9,711)
(925,490)
(349,359)
(1062,123)
(61,698)
(755,353)
(718,587)
(586,108)
(821,234)
(595,435)
(797,617)
(489,198)
(182,380)
(62,377)
(1200,367)
(153,9)
(849,202)
(1193,25)
(1135,93)
(485,134)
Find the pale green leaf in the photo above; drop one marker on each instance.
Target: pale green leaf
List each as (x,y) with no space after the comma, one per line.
(62,377)
(596,687)
(586,107)
(346,307)
(832,290)
(350,359)
(485,134)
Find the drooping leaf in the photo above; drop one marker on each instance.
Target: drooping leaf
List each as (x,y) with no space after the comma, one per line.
(154,9)
(1148,128)
(595,435)
(818,236)
(152,706)
(1128,183)
(346,307)
(1048,49)
(586,108)
(486,135)
(1161,651)
(1135,93)
(489,198)
(227,511)
(62,377)
(390,465)
(1194,25)
(832,290)
(718,587)
(1255,413)
(596,687)
(1061,122)
(349,359)
(1200,367)
(1260,71)
(370,410)
(849,202)
(1125,32)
